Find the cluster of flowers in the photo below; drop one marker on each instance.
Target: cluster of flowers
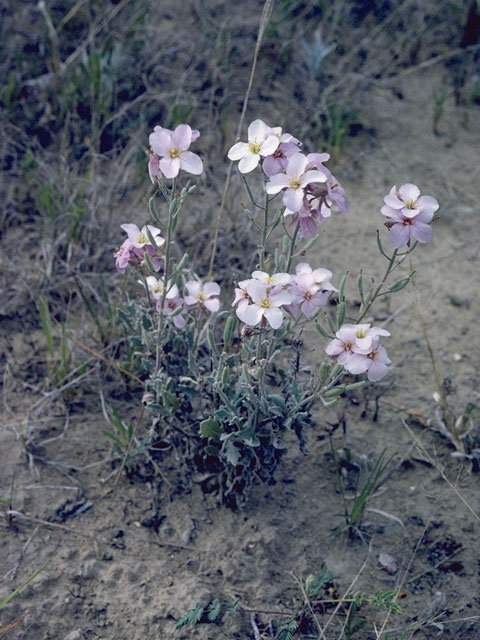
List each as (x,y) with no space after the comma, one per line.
(200,295)
(308,188)
(132,250)
(263,298)
(308,192)
(357,348)
(408,215)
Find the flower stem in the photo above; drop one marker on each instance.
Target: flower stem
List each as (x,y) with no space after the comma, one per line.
(391,266)
(293,242)
(166,270)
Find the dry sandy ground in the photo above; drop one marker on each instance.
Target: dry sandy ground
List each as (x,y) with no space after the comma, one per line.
(113,576)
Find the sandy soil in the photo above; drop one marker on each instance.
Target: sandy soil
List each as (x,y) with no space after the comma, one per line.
(128,559)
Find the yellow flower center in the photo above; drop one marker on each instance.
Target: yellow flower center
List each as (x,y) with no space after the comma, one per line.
(294,183)
(142,239)
(266,303)
(157,288)
(361,333)
(254,147)
(410,204)
(174,153)
(201,296)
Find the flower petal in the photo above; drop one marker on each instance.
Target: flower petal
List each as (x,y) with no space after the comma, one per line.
(211,289)
(269,145)
(377,370)
(422,232)
(257,131)
(277,183)
(212,304)
(296,165)
(249,162)
(428,204)
(274,317)
(250,314)
(132,231)
(182,137)
(191,163)
(409,192)
(160,141)
(313,176)
(238,151)
(170,167)
(399,235)
(293,199)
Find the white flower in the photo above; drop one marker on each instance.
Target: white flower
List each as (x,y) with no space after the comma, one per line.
(265,303)
(203,294)
(156,286)
(271,281)
(260,143)
(140,238)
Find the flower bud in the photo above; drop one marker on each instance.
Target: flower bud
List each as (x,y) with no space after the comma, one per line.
(228,331)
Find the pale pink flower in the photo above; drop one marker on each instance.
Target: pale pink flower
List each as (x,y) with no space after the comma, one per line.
(409,202)
(321,277)
(174,307)
(242,297)
(271,281)
(277,162)
(357,348)
(155,259)
(195,132)
(307,296)
(260,143)
(139,238)
(294,181)
(154,168)
(365,335)
(310,289)
(123,255)
(203,294)
(309,217)
(265,303)
(378,361)
(156,287)
(172,149)
(402,228)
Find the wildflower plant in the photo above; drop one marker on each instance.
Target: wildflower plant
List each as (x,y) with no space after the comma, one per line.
(219,394)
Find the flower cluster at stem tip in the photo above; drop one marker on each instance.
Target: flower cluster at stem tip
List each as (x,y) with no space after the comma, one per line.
(408,215)
(308,192)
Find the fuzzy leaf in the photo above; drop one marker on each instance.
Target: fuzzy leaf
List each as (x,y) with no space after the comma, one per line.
(232,453)
(210,428)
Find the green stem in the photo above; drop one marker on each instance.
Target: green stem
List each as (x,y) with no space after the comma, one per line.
(261,249)
(293,242)
(390,268)
(166,271)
